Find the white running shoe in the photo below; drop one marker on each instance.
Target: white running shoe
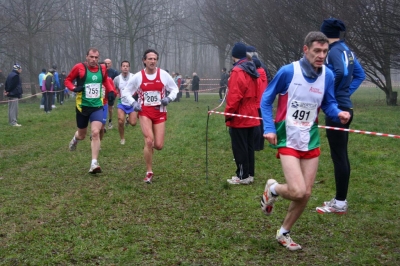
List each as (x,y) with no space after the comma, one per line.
(286,241)
(72,144)
(122,141)
(237,181)
(16,125)
(110,126)
(95,168)
(332,207)
(267,199)
(53,106)
(41,106)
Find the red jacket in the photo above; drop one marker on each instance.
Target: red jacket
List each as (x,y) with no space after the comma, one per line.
(262,84)
(242,98)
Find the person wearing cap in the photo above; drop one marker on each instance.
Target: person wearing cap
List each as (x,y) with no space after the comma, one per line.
(13,90)
(242,100)
(48,90)
(303,87)
(41,76)
(252,51)
(348,76)
(90,76)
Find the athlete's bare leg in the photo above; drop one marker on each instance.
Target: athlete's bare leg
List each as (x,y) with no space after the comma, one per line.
(153,138)
(95,127)
(300,175)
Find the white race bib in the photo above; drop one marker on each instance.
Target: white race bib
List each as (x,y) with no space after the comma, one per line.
(301,114)
(152,98)
(92,90)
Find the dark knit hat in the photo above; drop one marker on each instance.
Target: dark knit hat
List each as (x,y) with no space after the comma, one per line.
(251,49)
(332,27)
(239,50)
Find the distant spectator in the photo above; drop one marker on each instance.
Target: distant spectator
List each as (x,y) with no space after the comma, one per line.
(223,83)
(13,90)
(41,76)
(112,73)
(195,86)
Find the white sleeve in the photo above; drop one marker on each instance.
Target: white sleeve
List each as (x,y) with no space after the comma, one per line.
(169,84)
(128,91)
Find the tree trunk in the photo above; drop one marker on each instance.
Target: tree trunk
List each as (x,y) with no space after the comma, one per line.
(391,98)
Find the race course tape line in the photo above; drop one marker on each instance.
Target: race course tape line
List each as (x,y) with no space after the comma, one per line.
(326,127)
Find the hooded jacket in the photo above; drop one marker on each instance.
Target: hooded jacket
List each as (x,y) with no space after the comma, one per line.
(242,95)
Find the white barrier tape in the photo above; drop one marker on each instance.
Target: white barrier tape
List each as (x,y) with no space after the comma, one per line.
(319,126)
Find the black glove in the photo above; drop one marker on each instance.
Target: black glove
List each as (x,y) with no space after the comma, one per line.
(78,89)
(111,97)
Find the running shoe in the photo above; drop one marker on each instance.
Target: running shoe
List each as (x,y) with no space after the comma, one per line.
(95,168)
(237,181)
(72,144)
(332,207)
(286,241)
(148,178)
(110,126)
(267,199)
(16,125)
(122,141)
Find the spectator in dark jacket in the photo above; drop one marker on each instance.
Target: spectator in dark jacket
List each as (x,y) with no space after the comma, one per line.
(223,83)
(252,51)
(13,90)
(195,86)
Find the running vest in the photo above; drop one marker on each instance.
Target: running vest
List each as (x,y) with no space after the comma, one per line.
(297,127)
(92,93)
(123,82)
(151,92)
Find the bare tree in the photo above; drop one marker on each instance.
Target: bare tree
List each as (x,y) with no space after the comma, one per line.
(30,19)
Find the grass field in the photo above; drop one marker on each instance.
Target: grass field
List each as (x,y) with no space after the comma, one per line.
(52,212)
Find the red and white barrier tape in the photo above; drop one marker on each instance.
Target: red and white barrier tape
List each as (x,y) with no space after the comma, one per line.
(326,127)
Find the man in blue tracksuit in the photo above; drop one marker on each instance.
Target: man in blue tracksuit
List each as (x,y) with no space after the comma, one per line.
(348,77)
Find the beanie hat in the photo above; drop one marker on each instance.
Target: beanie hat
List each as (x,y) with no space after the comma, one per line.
(332,27)
(16,66)
(251,49)
(239,50)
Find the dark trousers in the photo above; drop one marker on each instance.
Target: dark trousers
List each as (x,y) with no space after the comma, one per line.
(196,96)
(242,140)
(258,135)
(48,100)
(222,90)
(60,96)
(187,94)
(338,141)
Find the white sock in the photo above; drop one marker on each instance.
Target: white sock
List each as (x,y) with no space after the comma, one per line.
(283,231)
(94,161)
(340,203)
(272,188)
